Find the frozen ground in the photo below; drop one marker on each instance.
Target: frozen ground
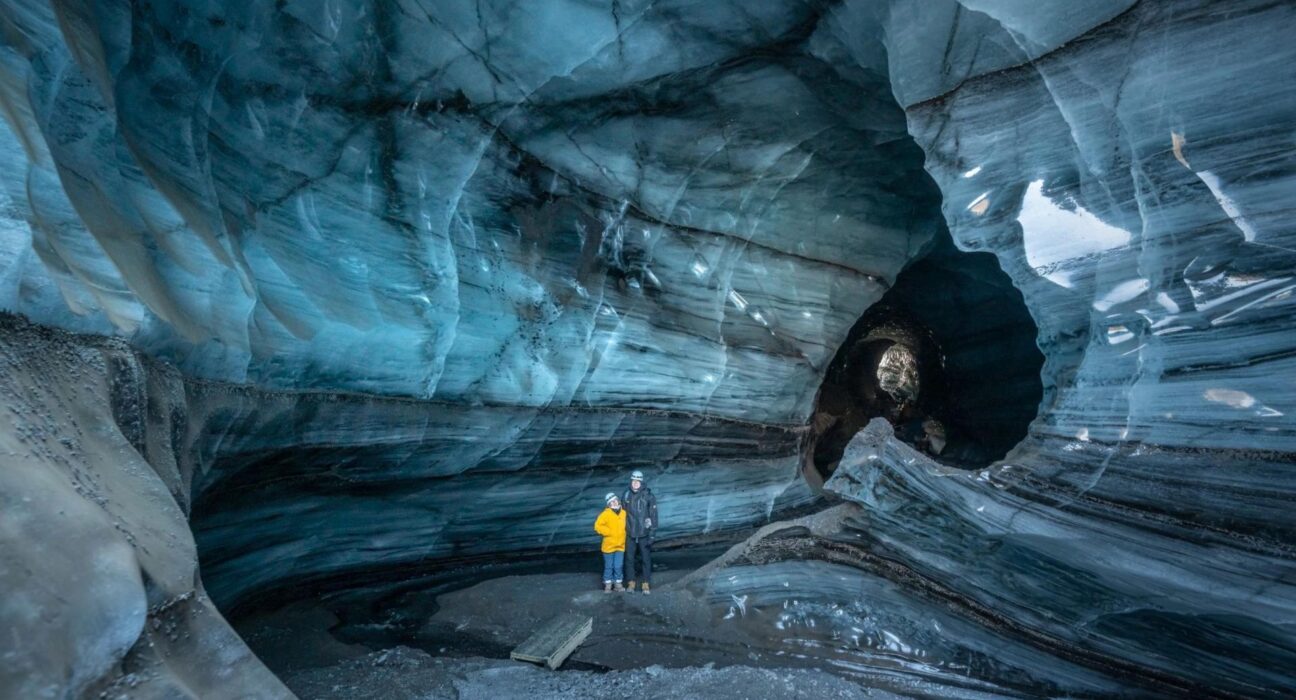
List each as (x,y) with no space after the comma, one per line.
(708,630)
(401,673)
(448,636)
(793,609)
(664,645)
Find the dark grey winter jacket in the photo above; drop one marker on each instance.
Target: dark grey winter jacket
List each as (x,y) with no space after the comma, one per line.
(641,506)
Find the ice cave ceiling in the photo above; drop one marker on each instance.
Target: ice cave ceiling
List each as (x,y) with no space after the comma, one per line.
(319,288)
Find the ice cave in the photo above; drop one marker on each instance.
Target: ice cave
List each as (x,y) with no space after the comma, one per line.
(955,340)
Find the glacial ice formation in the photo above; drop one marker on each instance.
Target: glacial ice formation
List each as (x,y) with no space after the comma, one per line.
(352,285)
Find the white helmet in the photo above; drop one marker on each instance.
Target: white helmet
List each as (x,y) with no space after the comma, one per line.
(607,500)
(636,475)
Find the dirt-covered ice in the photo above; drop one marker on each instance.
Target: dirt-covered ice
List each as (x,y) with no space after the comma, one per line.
(404,673)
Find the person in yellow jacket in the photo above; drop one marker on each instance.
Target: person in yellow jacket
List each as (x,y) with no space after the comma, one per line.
(611,524)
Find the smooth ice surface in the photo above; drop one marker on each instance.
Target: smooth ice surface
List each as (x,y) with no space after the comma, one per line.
(436,272)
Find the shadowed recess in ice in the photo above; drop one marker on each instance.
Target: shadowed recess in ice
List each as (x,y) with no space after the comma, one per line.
(435,274)
(948,356)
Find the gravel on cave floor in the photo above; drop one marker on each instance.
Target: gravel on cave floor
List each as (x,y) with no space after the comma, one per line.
(404,673)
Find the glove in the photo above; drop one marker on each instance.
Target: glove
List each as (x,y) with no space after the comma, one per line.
(648,523)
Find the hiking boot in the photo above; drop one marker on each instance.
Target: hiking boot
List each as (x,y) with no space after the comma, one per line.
(646,591)
(618,587)
(607,588)
(630,586)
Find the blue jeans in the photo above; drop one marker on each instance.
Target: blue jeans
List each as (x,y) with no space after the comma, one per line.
(612,562)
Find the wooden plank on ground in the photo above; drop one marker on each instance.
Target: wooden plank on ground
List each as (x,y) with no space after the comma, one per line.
(554,641)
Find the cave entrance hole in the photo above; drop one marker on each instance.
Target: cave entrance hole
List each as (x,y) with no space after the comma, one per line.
(948,356)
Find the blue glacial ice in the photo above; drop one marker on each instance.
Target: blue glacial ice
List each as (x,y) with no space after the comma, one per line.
(318,288)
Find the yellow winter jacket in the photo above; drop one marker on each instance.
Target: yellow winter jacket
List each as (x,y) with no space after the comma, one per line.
(611,525)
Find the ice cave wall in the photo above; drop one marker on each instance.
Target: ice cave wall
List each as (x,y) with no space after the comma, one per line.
(1136,183)
(549,239)
(514,209)
(584,233)
(97,564)
(1145,219)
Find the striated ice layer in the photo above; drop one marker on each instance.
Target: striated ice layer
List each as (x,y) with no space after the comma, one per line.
(865,626)
(1145,222)
(452,201)
(1157,601)
(980,582)
(1135,181)
(294,487)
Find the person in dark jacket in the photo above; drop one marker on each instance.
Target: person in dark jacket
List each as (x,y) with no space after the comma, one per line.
(641,525)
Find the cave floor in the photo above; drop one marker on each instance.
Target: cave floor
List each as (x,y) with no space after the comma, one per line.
(407,673)
(451,637)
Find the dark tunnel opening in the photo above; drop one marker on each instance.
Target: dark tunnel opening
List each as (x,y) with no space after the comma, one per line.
(948,356)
